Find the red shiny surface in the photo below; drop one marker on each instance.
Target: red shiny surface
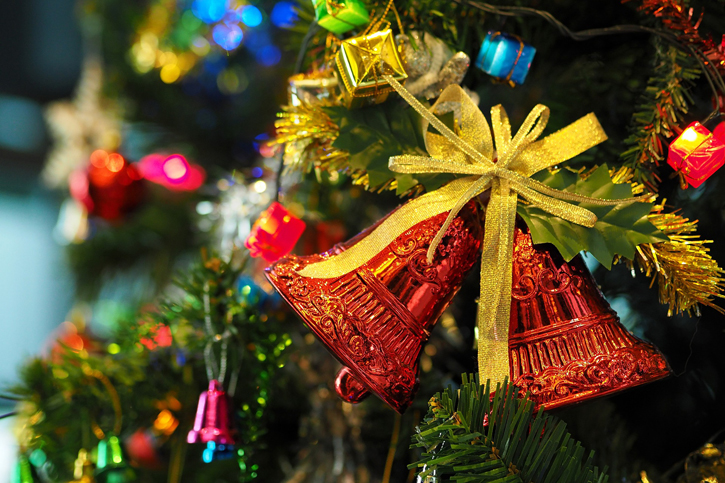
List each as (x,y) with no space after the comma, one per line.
(697,153)
(274,234)
(348,388)
(217,423)
(193,436)
(142,449)
(566,344)
(376,319)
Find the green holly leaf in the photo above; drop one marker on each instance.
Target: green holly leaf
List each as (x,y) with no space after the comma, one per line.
(373,134)
(618,231)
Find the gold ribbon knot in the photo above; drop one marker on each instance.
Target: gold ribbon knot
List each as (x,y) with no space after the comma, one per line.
(506,172)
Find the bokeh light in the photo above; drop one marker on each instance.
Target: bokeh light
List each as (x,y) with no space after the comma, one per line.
(200,46)
(268,55)
(170,73)
(99,158)
(173,172)
(115,162)
(210,11)
(227,36)
(251,16)
(284,14)
(232,81)
(175,168)
(190,21)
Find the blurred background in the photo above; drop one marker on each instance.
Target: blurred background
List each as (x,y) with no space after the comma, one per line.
(219,114)
(41,62)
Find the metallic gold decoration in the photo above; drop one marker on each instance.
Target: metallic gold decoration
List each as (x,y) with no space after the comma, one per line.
(308,133)
(470,152)
(685,272)
(705,465)
(79,127)
(311,88)
(362,65)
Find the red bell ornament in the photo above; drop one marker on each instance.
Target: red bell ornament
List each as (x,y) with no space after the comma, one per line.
(217,418)
(566,344)
(696,154)
(212,422)
(194,434)
(375,319)
(274,234)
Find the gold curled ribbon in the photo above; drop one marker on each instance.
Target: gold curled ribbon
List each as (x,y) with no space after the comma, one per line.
(506,172)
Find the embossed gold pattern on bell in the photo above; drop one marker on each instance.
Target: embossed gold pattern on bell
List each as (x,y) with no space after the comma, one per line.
(566,344)
(375,319)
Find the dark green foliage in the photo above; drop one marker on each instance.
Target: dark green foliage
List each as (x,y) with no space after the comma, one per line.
(63,400)
(152,239)
(469,436)
(659,115)
(374,134)
(618,230)
(219,324)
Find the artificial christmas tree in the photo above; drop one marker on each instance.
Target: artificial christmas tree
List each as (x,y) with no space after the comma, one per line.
(480,269)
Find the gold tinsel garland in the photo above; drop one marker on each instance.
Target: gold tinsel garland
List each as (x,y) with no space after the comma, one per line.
(307,134)
(685,272)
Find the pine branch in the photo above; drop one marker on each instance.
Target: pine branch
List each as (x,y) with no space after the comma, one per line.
(469,436)
(677,17)
(657,118)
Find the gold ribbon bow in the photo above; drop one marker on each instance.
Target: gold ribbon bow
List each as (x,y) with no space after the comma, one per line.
(506,172)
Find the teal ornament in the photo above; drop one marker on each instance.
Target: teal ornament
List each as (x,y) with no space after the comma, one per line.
(218,452)
(505,57)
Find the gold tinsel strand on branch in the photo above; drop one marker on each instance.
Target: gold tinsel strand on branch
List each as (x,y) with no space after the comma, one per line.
(685,272)
(307,134)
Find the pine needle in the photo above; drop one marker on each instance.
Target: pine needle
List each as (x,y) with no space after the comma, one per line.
(471,436)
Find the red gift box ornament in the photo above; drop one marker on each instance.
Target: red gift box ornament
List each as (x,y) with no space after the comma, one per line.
(696,154)
(274,234)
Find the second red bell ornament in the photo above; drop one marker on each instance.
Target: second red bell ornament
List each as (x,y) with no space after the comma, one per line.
(566,344)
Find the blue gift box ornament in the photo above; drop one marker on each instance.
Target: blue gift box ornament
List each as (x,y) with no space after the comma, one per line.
(505,57)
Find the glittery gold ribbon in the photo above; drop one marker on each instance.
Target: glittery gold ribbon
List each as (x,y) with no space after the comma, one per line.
(506,172)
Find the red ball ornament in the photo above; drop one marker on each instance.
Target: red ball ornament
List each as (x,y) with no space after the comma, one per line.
(376,319)
(110,188)
(142,449)
(696,154)
(274,234)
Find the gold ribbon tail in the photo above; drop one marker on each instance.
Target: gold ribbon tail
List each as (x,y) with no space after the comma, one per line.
(494,304)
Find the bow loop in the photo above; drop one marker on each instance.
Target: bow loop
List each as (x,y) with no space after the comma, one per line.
(530,130)
(472,129)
